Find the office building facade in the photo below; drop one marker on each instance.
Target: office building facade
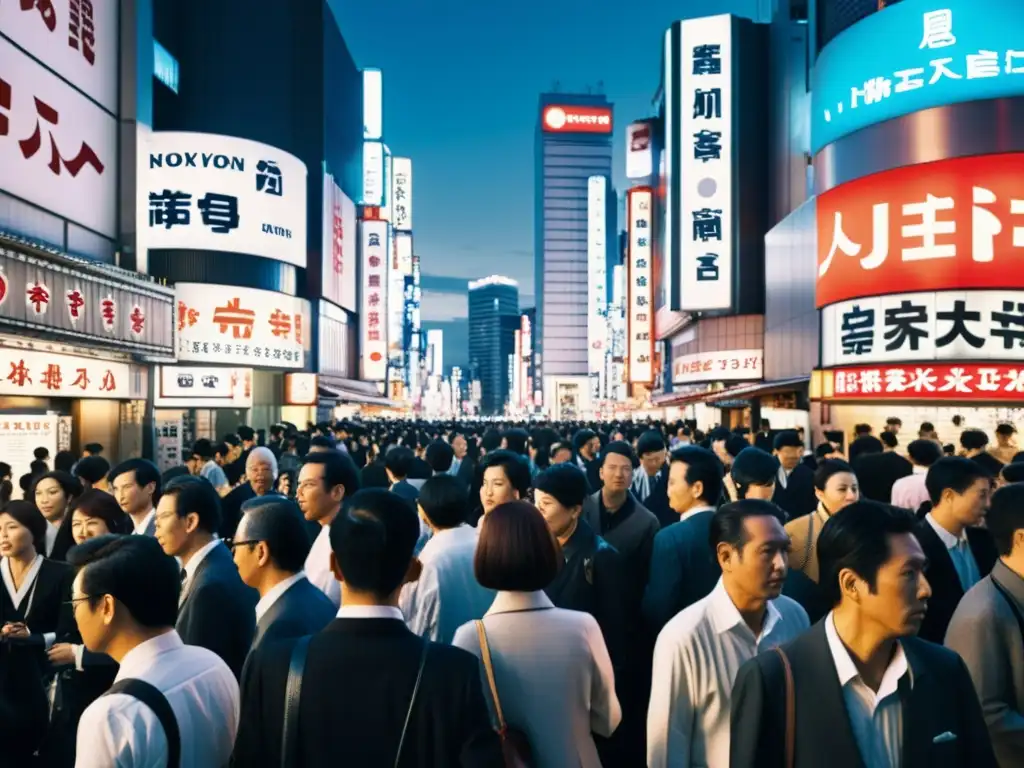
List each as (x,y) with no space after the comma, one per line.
(492,302)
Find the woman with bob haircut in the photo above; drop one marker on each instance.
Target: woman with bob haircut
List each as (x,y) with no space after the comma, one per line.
(552,672)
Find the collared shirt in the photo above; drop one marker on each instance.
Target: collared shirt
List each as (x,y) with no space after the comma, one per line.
(453,470)
(274,593)
(876,718)
(192,566)
(910,492)
(51,537)
(694,511)
(214,474)
(28,582)
(140,527)
(318,566)
(696,660)
(447,594)
(119,731)
(959,552)
(370,612)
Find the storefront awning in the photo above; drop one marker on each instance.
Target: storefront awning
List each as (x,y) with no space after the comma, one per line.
(351,391)
(682,398)
(757,389)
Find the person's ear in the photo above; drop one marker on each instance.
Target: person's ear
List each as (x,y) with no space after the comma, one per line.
(336,569)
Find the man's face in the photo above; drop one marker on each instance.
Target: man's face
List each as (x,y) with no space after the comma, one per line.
(92,620)
(316,500)
(899,600)
(172,532)
(616,472)
(789,457)
(759,567)
(681,495)
(247,553)
(260,473)
(496,489)
(131,497)
(590,448)
(969,507)
(234,453)
(652,461)
(560,519)
(459,446)
(194,464)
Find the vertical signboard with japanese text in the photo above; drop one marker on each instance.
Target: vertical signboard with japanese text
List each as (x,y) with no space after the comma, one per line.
(526,356)
(597,269)
(640,296)
(373,173)
(639,150)
(401,194)
(373,347)
(339,246)
(706,164)
(385,209)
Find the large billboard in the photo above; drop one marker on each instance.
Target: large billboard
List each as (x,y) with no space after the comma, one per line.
(203,191)
(401,194)
(567,118)
(339,246)
(640,293)
(979,382)
(597,273)
(373,320)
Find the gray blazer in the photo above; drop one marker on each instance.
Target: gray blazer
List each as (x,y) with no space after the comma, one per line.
(554,678)
(984,631)
(633,538)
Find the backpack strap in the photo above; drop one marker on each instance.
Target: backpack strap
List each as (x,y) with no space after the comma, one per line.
(151,697)
(292,694)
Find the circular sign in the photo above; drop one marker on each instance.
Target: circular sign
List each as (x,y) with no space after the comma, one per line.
(554,118)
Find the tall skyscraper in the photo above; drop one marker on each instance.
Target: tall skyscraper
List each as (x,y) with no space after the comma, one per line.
(493,319)
(573,143)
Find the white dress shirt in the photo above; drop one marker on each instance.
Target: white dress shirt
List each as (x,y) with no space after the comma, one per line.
(694,511)
(26,590)
(140,528)
(119,731)
(959,552)
(447,594)
(192,566)
(696,660)
(318,566)
(274,594)
(876,718)
(369,612)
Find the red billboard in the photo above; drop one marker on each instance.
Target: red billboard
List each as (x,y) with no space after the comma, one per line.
(562,118)
(967,381)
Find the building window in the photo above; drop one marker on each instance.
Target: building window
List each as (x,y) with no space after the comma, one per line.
(165,66)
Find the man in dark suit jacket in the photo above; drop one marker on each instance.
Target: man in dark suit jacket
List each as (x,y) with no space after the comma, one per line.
(215,610)
(925,685)
(794,489)
(359,683)
(270,550)
(877,472)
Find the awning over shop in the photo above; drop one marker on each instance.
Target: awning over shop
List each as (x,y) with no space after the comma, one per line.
(352,391)
(682,398)
(756,389)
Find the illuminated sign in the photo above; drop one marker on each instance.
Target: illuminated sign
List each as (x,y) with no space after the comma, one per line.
(373,173)
(373,348)
(640,302)
(339,246)
(969,381)
(576,119)
(597,272)
(922,55)
(373,104)
(639,150)
(401,193)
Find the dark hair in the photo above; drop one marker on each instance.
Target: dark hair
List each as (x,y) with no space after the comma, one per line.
(566,482)
(278,523)
(64,461)
(889,439)
(37,467)
(373,541)
(752,466)
(440,456)
(973,439)
(621,448)
(516,551)
(5,469)
(134,571)
(650,441)
(954,473)
(94,448)
(858,539)
(399,461)
(145,473)
(1012,473)
(1006,516)
(339,469)
(247,434)
(924,453)
(862,429)
(67,483)
(1006,429)
(323,441)
(173,472)
(926,426)
(203,448)
(582,437)
(787,438)
(823,450)
(491,440)
(894,421)
(195,494)
(103,506)
(92,469)
(556,447)
(232,440)
(445,501)
(827,468)
(41,453)
(701,465)
(514,466)
(727,524)
(27,514)
(518,441)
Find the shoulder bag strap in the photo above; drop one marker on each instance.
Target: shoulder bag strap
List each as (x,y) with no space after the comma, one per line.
(292,694)
(485,653)
(1013,605)
(412,701)
(151,696)
(790,710)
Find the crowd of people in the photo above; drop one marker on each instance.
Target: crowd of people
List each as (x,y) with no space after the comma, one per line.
(389,593)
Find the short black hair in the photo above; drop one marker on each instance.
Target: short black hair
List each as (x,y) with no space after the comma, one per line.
(246,433)
(926,426)
(339,469)
(1006,429)
(134,571)
(27,514)
(195,494)
(894,421)
(650,441)
(42,453)
(954,473)
(1012,473)
(92,469)
(566,482)
(440,456)
(445,501)
(858,539)
(973,439)
(517,440)
(514,466)
(787,438)
(889,440)
(203,448)
(399,461)
(823,450)
(37,467)
(103,506)
(516,551)
(64,461)
(582,437)
(491,440)
(924,453)
(727,524)
(620,447)
(752,466)
(827,468)
(145,473)
(373,540)
(278,522)
(1006,516)
(93,448)
(701,465)
(323,441)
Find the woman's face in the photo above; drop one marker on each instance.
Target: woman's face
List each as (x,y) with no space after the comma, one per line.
(84,527)
(15,538)
(561,520)
(50,499)
(496,489)
(841,491)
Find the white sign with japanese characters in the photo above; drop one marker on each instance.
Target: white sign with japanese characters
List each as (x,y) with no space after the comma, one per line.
(58,150)
(948,325)
(401,193)
(640,294)
(338,263)
(373,315)
(597,272)
(706,164)
(208,192)
(208,387)
(373,173)
(32,373)
(21,434)
(241,326)
(728,365)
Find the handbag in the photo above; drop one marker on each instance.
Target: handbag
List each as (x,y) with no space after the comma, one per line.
(515,746)
(790,710)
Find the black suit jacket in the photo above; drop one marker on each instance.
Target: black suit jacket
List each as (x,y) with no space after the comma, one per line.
(941,700)
(942,576)
(797,498)
(49,611)
(301,610)
(219,611)
(876,473)
(356,690)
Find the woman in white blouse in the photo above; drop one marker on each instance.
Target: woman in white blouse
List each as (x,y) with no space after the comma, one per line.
(552,672)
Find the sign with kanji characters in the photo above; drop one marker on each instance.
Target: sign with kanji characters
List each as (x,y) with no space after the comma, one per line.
(33,373)
(58,149)
(640,290)
(339,244)
(373,314)
(640,150)
(912,56)
(208,192)
(948,225)
(729,365)
(706,165)
(926,381)
(961,325)
(77,39)
(207,387)
(373,173)
(241,326)
(401,194)
(597,272)
(565,118)
(21,434)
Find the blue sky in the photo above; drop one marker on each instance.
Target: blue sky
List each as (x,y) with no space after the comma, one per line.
(461,83)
